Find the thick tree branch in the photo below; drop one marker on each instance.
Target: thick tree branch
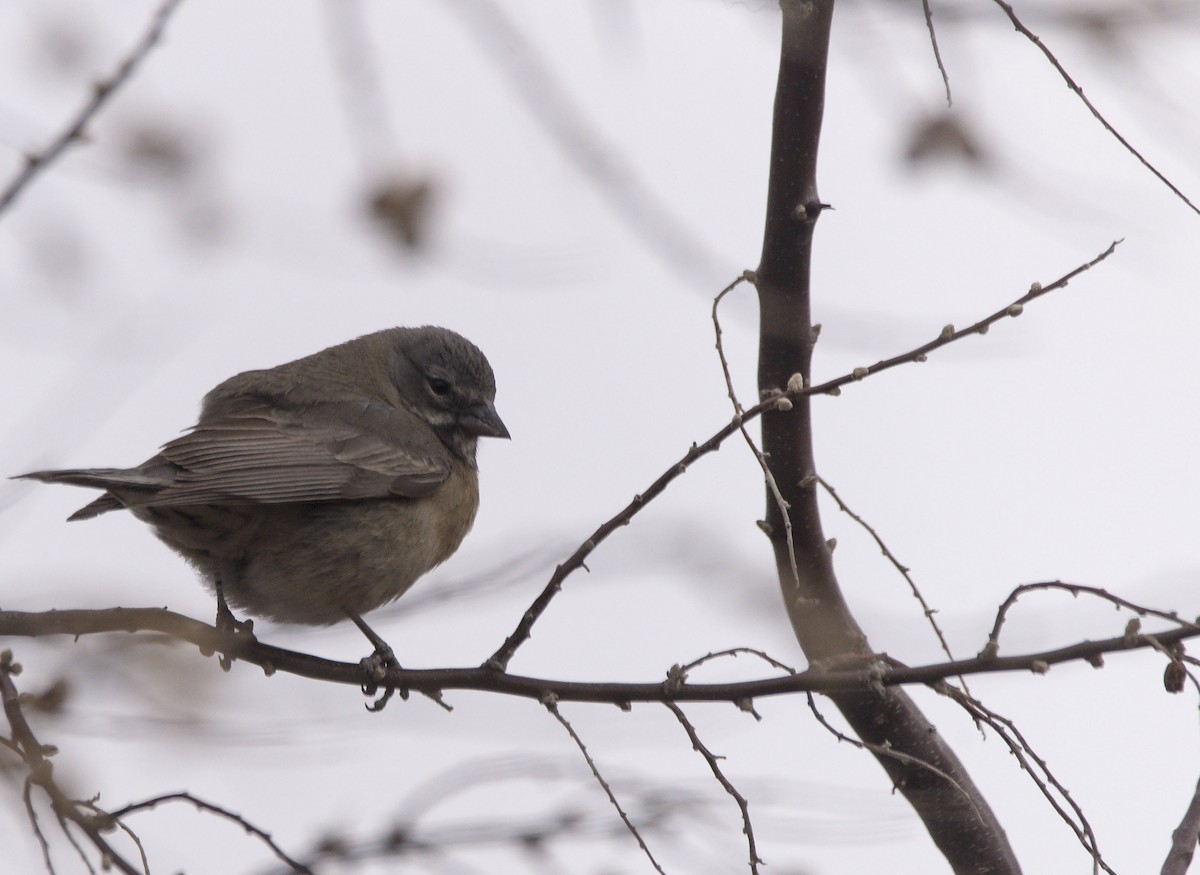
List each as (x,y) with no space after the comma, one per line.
(954,811)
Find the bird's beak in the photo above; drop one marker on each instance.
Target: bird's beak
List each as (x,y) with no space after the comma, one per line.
(484,421)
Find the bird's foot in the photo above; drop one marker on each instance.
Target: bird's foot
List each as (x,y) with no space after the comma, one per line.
(375,667)
(232,629)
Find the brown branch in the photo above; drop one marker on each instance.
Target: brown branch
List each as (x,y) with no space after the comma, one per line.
(928,773)
(1184,839)
(102,91)
(1037,41)
(854,673)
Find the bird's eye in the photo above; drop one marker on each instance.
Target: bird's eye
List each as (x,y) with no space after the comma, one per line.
(439,387)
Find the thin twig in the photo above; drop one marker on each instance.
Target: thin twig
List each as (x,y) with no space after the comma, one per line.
(258,832)
(1075,589)
(551,705)
(738,413)
(891,753)
(899,566)
(711,759)
(102,91)
(736,651)
(1037,41)
(937,52)
(1038,772)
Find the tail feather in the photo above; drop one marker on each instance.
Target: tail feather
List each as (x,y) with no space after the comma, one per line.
(96,478)
(103,504)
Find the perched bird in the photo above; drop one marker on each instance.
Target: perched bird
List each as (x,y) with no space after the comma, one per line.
(323,488)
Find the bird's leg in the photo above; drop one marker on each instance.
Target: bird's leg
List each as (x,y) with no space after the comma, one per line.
(227,623)
(376,665)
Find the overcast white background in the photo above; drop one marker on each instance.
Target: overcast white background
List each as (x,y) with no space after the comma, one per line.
(1061,445)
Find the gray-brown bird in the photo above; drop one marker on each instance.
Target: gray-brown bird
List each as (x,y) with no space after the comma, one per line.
(323,488)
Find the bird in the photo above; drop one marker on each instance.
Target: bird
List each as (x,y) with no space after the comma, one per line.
(323,488)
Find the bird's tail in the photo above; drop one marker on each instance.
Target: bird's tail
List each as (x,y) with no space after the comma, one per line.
(95,478)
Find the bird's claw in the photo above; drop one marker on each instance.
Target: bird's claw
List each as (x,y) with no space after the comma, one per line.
(233,630)
(375,667)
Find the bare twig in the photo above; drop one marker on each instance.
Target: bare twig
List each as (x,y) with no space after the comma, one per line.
(102,91)
(202,805)
(1037,41)
(500,659)
(1051,788)
(711,759)
(738,412)
(551,705)
(899,566)
(884,751)
(937,52)
(736,651)
(1075,589)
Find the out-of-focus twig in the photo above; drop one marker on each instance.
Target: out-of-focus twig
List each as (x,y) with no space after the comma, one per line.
(102,92)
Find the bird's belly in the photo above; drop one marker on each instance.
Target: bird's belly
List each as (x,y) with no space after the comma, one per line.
(312,563)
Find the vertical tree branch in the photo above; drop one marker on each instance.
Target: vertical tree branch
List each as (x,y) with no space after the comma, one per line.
(957,816)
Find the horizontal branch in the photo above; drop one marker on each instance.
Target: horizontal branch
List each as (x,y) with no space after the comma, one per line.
(870,673)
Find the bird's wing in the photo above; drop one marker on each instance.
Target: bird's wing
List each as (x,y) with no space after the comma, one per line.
(322,452)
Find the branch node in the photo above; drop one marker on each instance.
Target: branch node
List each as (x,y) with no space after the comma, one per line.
(1132,629)
(1039,666)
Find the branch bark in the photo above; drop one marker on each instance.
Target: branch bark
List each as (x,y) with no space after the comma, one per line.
(958,818)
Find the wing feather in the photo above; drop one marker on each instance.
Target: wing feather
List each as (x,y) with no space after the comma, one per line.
(327,452)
